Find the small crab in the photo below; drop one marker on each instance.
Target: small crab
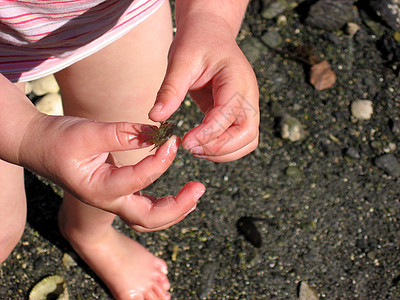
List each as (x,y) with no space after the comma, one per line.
(160,134)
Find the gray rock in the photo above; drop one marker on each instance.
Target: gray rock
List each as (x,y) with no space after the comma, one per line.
(389,11)
(396,127)
(251,48)
(273,8)
(272,39)
(293,171)
(388,163)
(330,15)
(352,153)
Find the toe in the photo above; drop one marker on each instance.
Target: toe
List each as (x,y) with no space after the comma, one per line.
(161,293)
(151,295)
(161,265)
(162,281)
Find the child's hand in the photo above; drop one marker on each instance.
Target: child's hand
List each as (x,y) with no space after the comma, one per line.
(205,60)
(74,153)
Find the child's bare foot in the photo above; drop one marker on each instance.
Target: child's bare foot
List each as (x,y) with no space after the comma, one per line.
(126,267)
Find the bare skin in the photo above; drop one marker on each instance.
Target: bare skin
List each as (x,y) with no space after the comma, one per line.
(104,165)
(128,269)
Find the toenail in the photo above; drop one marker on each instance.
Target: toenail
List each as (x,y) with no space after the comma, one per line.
(164,270)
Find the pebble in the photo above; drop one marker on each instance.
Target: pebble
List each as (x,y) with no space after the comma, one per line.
(28,88)
(68,261)
(207,279)
(352,28)
(306,292)
(50,104)
(272,39)
(45,85)
(388,163)
(389,11)
(321,76)
(362,109)
(351,152)
(293,172)
(396,127)
(272,9)
(251,48)
(330,15)
(291,128)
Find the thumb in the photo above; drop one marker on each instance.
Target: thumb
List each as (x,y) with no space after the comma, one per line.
(115,136)
(173,90)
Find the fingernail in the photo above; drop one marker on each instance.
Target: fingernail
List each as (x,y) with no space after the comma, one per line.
(157,107)
(197,150)
(198,195)
(191,210)
(200,156)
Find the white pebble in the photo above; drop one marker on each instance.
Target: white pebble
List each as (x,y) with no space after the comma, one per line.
(51,104)
(45,85)
(362,109)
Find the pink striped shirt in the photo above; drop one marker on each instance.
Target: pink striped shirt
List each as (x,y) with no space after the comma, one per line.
(41,37)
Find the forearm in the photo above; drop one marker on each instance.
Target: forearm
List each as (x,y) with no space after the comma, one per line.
(16,112)
(231,10)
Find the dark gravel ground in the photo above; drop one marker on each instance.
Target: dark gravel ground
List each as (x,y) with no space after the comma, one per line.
(331,219)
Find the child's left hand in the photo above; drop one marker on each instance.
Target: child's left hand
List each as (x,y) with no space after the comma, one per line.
(205,60)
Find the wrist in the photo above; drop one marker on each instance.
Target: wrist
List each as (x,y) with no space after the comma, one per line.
(232,11)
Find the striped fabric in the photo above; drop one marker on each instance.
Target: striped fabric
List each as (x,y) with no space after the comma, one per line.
(41,37)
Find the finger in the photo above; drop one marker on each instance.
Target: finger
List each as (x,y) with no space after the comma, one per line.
(143,214)
(234,138)
(117,136)
(216,122)
(129,179)
(234,103)
(230,156)
(177,81)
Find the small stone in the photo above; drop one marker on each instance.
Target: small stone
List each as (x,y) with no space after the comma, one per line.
(273,8)
(352,28)
(291,128)
(330,15)
(45,85)
(321,76)
(362,109)
(50,104)
(272,39)
(306,292)
(28,88)
(68,261)
(352,153)
(388,163)
(251,49)
(396,36)
(293,172)
(396,126)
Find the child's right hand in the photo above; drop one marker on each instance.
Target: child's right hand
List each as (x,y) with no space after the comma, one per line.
(73,152)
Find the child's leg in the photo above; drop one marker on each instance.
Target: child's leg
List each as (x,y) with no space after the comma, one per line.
(119,83)
(12,205)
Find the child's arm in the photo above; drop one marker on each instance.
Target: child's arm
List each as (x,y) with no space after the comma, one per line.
(73,152)
(205,60)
